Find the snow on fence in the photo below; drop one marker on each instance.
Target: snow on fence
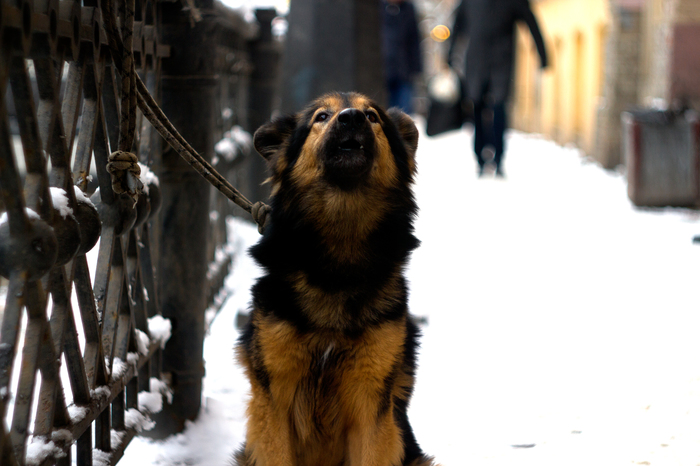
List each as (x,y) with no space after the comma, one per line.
(84,364)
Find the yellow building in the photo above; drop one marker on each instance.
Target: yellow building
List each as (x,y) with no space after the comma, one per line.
(562,101)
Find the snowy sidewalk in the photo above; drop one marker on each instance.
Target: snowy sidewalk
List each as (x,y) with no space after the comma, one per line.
(562,321)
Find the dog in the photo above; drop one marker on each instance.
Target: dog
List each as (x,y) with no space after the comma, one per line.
(330,349)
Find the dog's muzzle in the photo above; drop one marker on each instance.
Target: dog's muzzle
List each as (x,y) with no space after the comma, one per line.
(349,150)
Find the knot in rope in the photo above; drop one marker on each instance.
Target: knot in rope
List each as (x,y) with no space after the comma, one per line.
(259,211)
(125,170)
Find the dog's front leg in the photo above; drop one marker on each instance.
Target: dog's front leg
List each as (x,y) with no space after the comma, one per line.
(368,391)
(268,440)
(375,442)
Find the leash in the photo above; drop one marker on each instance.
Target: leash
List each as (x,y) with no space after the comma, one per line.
(123,164)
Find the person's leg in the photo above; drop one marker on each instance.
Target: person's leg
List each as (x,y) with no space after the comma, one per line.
(479,135)
(499,128)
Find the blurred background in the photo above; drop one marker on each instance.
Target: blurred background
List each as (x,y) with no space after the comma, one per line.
(606,57)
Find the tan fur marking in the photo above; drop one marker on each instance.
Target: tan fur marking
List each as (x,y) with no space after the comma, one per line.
(384,170)
(334,103)
(321,308)
(360,102)
(325,310)
(345,241)
(307,169)
(270,434)
(268,441)
(372,441)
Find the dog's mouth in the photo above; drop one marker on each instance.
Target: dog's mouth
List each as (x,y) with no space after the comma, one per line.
(348,162)
(351,145)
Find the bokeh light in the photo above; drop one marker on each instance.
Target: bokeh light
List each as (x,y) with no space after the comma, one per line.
(440,33)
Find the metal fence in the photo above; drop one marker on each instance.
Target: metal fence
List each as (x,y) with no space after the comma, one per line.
(93,315)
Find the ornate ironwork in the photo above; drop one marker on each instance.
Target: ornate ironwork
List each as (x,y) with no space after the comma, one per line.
(58,119)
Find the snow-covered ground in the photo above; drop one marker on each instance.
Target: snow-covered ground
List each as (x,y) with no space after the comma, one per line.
(282,6)
(562,322)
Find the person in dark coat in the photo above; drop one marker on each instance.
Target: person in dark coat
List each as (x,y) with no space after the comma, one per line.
(489,26)
(401,50)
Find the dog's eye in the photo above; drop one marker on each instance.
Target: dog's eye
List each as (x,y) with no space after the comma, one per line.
(372,117)
(323,116)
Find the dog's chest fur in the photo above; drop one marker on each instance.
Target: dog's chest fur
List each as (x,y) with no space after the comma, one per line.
(327,382)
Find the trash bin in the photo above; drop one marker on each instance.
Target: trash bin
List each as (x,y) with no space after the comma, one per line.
(662,155)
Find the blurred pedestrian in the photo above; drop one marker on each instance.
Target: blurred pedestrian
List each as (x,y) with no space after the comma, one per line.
(401,49)
(489,26)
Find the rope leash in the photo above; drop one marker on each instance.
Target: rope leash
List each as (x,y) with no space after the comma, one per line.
(120,164)
(153,113)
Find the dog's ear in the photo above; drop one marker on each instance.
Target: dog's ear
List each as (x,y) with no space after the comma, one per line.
(272,135)
(407,128)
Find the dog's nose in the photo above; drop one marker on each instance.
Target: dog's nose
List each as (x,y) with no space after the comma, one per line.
(351,118)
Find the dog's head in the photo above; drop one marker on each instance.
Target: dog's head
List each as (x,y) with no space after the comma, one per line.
(342,142)
(341,174)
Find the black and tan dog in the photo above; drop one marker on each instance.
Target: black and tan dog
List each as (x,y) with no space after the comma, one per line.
(330,349)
